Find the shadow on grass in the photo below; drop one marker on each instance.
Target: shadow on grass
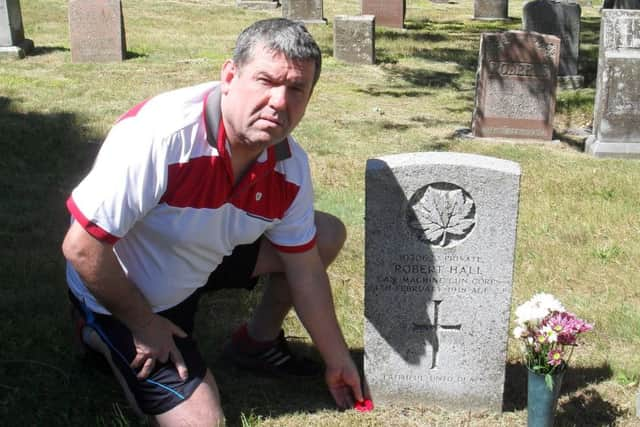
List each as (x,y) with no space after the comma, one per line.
(45,50)
(43,157)
(515,389)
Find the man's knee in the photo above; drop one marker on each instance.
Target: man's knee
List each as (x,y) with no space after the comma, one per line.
(332,234)
(202,408)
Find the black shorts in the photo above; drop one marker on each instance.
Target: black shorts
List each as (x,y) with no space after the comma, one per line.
(164,389)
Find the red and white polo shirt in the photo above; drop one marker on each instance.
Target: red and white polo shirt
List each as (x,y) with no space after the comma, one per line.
(161,190)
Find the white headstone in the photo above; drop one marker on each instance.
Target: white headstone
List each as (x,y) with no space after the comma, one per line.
(12,41)
(616,113)
(440,240)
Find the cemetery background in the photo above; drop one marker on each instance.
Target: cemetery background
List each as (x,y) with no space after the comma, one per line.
(577,229)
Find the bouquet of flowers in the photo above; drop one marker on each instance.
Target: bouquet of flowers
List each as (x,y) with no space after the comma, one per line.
(548,334)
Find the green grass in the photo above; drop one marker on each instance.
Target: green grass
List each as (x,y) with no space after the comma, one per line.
(577,228)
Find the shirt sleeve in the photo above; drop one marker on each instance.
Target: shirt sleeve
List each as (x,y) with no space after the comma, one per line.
(128,179)
(296,232)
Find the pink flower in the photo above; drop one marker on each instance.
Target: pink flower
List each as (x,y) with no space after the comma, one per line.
(554,357)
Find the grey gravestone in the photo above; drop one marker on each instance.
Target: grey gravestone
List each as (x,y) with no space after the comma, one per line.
(560,18)
(257,4)
(96,28)
(388,13)
(308,11)
(439,256)
(354,39)
(638,404)
(621,4)
(491,9)
(516,85)
(617,103)
(12,41)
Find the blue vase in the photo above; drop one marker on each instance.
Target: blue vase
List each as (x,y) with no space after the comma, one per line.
(542,401)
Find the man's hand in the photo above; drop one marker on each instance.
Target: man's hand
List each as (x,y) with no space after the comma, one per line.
(344,384)
(154,342)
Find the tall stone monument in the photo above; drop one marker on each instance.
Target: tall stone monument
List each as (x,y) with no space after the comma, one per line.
(354,39)
(307,11)
(439,256)
(560,18)
(96,28)
(621,4)
(616,113)
(491,10)
(257,4)
(12,41)
(516,85)
(388,13)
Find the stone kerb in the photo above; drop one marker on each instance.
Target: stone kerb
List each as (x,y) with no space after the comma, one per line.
(354,39)
(258,4)
(439,255)
(12,41)
(617,101)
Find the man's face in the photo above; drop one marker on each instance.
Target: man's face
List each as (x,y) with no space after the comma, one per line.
(265,99)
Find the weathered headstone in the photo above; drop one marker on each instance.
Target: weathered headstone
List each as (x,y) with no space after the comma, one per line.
(617,103)
(560,18)
(516,85)
(308,11)
(354,39)
(388,13)
(621,4)
(12,41)
(96,28)
(491,9)
(440,241)
(257,4)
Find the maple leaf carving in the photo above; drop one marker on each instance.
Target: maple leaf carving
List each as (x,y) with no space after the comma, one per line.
(441,213)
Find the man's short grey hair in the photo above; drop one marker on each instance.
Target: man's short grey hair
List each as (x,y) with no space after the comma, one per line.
(278,35)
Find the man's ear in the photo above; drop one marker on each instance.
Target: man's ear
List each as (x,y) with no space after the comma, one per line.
(227,74)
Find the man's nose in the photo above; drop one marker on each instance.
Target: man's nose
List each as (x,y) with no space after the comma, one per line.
(278,98)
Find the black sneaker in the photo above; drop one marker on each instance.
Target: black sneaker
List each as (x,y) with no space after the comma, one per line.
(276,360)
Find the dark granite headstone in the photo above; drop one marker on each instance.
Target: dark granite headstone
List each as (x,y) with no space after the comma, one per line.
(516,85)
(12,41)
(491,9)
(354,39)
(257,4)
(560,18)
(307,11)
(96,28)
(617,104)
(388,13)
(621,4)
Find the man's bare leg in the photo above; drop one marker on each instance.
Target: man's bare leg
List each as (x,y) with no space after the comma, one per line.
(202,408)
(267,318)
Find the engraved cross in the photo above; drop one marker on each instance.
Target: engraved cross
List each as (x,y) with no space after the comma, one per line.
(433,328)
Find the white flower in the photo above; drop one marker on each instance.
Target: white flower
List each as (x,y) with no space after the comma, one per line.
(551,335)
(518,331)
(537,308)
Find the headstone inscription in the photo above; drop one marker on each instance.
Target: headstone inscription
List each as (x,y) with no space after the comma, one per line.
(491,9)
(388,13)
(307,11)
(516,85)
(616,112)
(354,39)
(560,18)
(621,4)
(96,28)
(257,4)
(12,41)
(439,255)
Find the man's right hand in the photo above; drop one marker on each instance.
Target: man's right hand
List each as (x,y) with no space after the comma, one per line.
(154,342)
